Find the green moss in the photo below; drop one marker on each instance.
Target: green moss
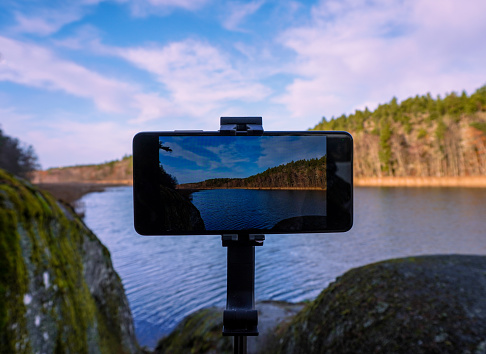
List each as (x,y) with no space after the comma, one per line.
(200,332)
(13,276)
(37,238)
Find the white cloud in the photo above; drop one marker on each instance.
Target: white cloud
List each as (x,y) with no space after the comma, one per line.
(238,11)
(152,106)
(199,82)
(43,25)
(31,65)
(179,151)
(283,149)
(68,142)
(85,36)
(186,4)
(229,155)
(197,76)
(162,7)
(356,52)
(46,18)
(10,114)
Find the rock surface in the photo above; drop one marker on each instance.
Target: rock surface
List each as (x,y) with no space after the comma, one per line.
(200,332)
(428,304)
(58,289)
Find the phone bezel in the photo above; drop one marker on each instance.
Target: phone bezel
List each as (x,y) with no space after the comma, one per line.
(146,160)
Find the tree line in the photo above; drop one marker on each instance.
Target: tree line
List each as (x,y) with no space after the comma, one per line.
(16,157)
(420,136)
(303,173)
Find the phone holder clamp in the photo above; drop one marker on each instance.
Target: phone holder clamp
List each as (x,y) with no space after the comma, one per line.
(241,126)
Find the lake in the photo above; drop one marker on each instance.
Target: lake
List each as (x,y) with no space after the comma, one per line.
(240,209)
(166,278)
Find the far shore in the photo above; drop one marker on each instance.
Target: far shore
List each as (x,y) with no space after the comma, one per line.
(181,187)
(465,181)
(70,192)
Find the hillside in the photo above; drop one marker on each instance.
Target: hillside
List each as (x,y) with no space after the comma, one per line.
(302,174)
(420,137)
(113,172)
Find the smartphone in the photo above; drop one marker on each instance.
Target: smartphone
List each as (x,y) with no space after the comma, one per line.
(208,183)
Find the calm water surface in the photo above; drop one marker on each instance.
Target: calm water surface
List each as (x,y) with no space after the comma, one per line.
(240,209)
(167,278)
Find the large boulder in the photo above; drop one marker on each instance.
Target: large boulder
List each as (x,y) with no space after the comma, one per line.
(58,289)
(428,304)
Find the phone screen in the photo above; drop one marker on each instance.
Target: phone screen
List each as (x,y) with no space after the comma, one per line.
(208,183)
(245,182)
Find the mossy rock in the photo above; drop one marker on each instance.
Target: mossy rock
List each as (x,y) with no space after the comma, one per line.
(199,332)
(427,304)
(59,292)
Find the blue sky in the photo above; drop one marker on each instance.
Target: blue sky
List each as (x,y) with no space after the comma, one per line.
(79,78)
(198,158)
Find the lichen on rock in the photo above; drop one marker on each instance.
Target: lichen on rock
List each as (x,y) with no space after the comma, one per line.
(58,289)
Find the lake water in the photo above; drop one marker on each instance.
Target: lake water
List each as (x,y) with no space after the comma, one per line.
(240,209)
(167,278)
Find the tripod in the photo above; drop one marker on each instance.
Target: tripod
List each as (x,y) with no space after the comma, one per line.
(240,319)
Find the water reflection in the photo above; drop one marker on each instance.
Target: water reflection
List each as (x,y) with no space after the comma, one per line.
(166,278)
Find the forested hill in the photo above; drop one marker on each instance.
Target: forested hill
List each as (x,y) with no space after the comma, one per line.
(113,172)
(301,174)
(421,136)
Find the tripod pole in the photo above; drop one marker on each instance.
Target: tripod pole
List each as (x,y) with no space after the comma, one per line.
(240,345)
(240,319)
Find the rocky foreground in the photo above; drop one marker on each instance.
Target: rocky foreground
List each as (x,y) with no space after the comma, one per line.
(427,304)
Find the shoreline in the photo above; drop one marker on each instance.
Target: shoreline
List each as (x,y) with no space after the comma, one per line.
(255,188)
(72,192)
(465,181)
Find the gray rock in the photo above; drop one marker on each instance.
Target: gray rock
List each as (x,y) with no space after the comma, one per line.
(428,304)
(58,289)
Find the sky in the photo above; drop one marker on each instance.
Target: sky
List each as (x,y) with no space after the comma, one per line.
(78,79)
(198,158)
